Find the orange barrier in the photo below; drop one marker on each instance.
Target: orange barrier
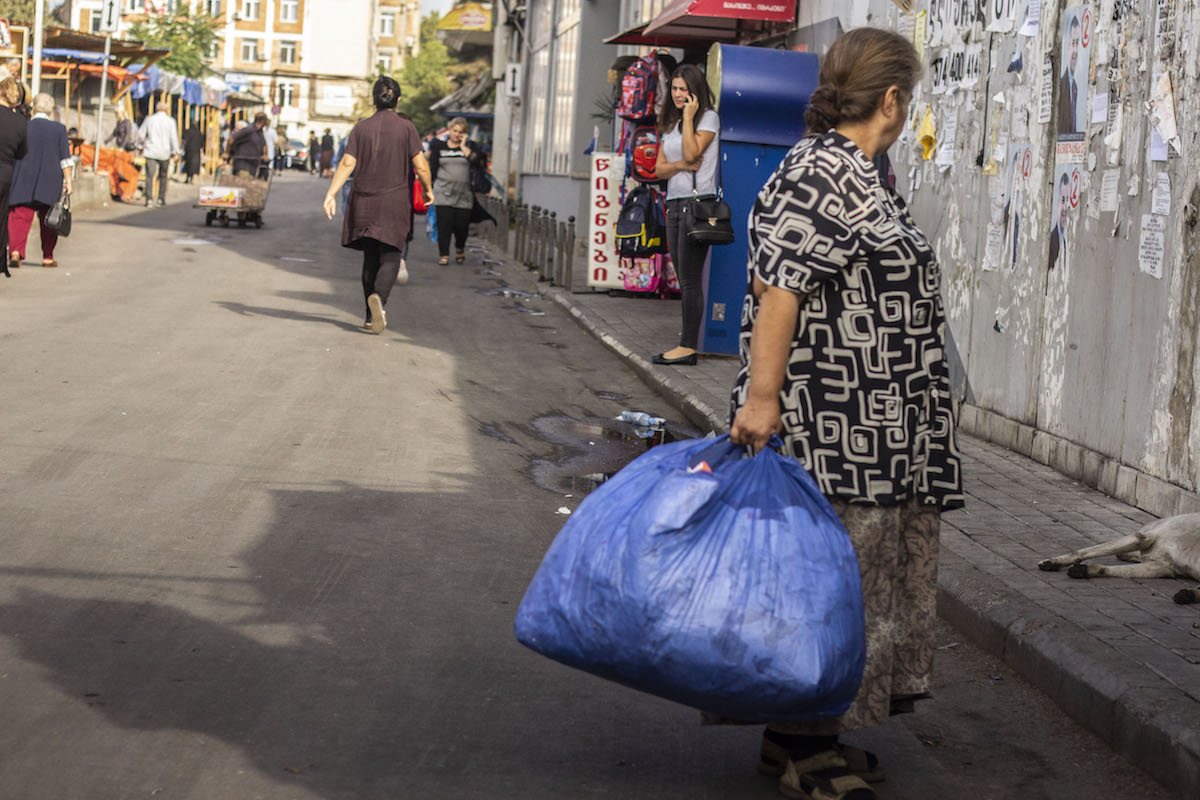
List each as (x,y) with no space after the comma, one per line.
(122,174)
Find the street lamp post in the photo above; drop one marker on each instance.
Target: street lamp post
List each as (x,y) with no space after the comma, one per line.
(39,22)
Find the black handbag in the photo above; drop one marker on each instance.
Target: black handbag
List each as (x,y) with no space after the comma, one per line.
(707,219)
(58,218)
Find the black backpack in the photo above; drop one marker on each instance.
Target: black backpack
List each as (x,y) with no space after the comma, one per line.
(641,228)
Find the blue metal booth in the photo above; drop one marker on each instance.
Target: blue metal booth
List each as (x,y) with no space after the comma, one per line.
(761,96)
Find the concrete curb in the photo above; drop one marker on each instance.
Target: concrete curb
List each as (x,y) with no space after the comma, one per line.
(1139,715)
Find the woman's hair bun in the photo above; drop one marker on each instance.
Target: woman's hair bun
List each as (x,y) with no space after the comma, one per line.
(823,112)
(385,93)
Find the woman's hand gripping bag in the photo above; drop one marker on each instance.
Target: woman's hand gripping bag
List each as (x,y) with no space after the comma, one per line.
(712,578)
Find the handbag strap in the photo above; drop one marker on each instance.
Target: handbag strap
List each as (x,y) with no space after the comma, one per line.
(720,190)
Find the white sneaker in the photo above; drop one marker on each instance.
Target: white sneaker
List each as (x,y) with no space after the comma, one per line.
(378,317)
(402,274)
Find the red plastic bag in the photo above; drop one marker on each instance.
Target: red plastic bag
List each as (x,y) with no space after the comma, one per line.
(418,198)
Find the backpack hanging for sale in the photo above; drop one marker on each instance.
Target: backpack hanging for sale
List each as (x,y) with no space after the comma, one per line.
(639,87)
(641,274)
(641,228)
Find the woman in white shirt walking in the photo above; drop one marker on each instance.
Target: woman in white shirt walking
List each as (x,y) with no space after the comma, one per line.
(690,133)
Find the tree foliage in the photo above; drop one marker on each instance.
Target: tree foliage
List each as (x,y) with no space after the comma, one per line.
(426,78)
(189,36)
(18,10)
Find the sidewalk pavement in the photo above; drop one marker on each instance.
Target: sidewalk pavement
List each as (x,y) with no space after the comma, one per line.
(1118,655)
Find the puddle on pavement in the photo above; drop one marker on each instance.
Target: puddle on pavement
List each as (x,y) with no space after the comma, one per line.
(592,450)
(507,291)
(606,395)
(192,242)
(524,310)
(554,345)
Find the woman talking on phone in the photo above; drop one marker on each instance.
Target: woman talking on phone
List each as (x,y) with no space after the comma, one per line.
(690,132)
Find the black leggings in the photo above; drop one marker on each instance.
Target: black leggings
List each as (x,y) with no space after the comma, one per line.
(688,258)
(381,264)
(452,221)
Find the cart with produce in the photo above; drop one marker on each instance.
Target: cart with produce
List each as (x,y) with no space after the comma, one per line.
(235,198)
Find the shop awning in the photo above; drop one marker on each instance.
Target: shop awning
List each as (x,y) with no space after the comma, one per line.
(638,37)
(715,20)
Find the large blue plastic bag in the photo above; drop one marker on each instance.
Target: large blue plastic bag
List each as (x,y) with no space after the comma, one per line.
(431,223)
(734,591)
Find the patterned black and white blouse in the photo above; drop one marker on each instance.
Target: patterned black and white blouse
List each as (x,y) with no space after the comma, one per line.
(866,397)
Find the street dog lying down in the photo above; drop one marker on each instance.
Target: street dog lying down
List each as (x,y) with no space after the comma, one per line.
(1168,548)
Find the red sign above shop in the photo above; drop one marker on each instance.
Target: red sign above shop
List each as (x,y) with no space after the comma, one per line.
(762,10)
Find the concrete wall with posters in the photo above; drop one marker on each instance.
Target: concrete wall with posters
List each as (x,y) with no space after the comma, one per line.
(1081,335)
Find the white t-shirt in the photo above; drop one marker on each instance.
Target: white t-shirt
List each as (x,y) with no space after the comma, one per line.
(680,184)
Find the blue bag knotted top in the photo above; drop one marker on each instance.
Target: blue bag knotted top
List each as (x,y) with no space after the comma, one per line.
(728,585)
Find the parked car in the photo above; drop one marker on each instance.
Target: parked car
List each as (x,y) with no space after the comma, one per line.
(296,155)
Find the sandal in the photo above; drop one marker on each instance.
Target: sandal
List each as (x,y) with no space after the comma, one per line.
(14,260)
(773,759)
(443,261)
(460,257)
(825,776)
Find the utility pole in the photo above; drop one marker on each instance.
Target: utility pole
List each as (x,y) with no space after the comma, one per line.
(110,18)
(39,30)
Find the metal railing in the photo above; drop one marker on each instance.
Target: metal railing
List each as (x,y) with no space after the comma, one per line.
(539,240)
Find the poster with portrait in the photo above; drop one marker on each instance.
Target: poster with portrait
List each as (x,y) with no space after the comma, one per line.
(1018,167)
(1078,30)
(1067,180)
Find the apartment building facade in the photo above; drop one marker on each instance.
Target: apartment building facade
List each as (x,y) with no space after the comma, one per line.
(312,60)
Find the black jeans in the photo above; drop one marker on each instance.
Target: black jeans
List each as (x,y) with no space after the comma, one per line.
(688,258)
(161,166)
(452,221)
(381,264)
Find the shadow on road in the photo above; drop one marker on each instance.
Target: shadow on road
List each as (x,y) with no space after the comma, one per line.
(286,313)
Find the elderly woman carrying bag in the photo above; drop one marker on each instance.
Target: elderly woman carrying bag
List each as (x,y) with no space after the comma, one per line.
(40,178)
(456,165)
(843,354)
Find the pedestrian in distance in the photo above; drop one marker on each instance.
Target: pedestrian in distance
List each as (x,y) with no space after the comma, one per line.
(124,134)
(855,381)
(314,152)
(271,138)
(247,148)
(158,139)
(327,154)
(382,151)
(690,136)
(450,163)
(40,178)
(13,130)
(193,150)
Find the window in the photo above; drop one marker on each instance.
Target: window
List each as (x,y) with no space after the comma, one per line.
(214,49)
(562,121)
(387,23)
(249,49)
(539,87)
(94,21)
(212,8)
(250,9)
(287,94)
(287,52)
(289,10)
(135,6)
(385,63)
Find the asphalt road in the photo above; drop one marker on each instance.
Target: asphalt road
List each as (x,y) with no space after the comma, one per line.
(250,551)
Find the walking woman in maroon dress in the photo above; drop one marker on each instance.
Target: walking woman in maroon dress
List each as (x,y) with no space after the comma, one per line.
(381,152)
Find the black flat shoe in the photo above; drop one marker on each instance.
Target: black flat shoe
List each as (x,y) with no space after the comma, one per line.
(682,361)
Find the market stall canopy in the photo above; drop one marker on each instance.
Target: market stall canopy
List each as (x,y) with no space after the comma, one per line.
(683,23)
(467,24)
(124,51)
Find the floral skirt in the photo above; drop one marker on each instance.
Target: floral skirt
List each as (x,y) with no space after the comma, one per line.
(897,549)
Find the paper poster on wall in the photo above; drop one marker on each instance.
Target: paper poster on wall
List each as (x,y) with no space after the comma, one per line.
(1108,189)
(1160,197)
(919,33)
(1070,151)
(1002,15)
(939,72)
(1067,180)
(1150,246)
(1077,34)
(1020,165)
(1046,91)
(994,248)
(946,142)
(1032,18)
